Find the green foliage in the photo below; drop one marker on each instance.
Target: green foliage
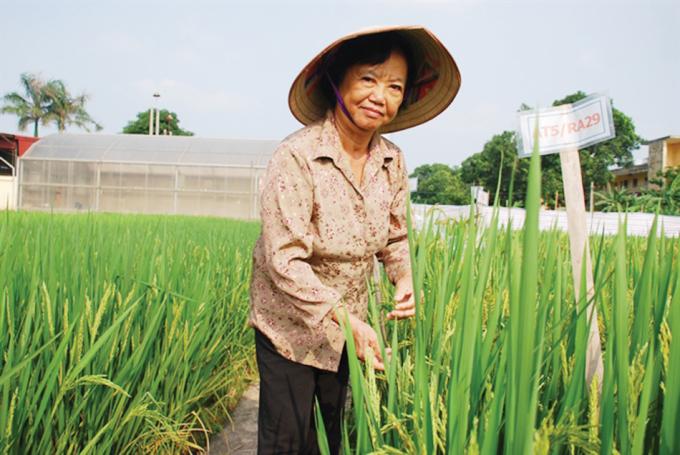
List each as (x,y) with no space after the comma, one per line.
(31,107)
(494,360)
(121,334)
(46,102)
(596,159)
(613,200)
(65,109)
(663,196)
(440,184)
(499,157)
(168,124)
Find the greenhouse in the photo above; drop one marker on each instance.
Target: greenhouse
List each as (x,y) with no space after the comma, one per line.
(144,174)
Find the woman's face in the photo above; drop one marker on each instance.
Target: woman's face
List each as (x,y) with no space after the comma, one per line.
(373,93)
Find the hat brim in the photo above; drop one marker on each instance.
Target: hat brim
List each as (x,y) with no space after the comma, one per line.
(435,85)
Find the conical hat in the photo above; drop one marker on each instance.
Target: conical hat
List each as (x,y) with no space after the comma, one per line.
(434,87)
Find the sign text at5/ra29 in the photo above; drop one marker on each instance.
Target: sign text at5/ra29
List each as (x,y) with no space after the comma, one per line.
(568,126)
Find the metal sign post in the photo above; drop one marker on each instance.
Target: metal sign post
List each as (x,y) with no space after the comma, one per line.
(565,129)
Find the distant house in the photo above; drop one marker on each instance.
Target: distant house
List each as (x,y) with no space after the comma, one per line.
(633,179)
(664,154)
(12,146)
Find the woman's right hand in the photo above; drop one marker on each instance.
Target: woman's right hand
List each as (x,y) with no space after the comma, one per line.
(366,342)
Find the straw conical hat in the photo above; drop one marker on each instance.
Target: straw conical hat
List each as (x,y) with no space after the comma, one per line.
(434,86)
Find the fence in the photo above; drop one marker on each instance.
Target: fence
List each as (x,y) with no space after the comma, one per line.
(638,224)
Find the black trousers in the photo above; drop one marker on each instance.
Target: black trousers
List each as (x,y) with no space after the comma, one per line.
(286,422)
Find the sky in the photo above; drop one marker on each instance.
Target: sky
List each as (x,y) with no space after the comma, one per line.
(226,67)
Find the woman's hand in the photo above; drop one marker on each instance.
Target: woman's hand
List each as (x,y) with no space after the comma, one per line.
(366,342)
(405,304)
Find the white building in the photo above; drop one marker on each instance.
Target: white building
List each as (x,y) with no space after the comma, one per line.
(144,174)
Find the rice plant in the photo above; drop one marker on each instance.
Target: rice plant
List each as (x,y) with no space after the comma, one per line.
(121,334)
(494,360)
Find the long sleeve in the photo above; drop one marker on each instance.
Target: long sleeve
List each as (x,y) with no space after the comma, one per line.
(320,236)
(395,255)
(286,211)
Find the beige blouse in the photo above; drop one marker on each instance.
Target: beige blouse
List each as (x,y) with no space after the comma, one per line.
(320,231)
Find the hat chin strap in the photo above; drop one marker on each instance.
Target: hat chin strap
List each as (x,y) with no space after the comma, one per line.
(339,100)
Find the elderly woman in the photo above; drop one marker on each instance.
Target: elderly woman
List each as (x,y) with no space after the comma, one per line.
(333,198)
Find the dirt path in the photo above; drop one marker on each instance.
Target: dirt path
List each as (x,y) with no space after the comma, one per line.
(240,436)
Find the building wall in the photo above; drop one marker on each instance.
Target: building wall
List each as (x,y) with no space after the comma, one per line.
(8,193)
(672,155)
(656,158)
(663,154)
(632,182)
(139,188)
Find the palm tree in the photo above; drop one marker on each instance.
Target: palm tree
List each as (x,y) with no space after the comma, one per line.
(32,107)
(65,110)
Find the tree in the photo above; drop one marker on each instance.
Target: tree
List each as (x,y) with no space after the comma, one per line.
(440,184)
(32,106)
(47,102)
(65,110)
(597,159)
(169,123)
(664,199)
(499,158)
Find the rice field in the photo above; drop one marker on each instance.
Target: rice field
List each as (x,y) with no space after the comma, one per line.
(494,361)
(127,334)
(121,334)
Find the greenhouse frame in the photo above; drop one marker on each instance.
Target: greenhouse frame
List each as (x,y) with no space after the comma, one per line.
(129,173)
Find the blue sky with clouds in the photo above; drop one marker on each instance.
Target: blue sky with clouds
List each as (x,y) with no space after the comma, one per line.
(226,67)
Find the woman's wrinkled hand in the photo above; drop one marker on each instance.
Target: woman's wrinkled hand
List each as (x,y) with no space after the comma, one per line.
(405,304)
(366,342)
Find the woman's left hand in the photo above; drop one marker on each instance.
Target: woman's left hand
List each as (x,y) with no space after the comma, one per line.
(405,304)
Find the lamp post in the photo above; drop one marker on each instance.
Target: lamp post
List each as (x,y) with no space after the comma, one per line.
(156,95)
(158,113)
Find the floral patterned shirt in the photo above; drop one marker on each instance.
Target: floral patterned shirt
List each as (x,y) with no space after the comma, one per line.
(321,230)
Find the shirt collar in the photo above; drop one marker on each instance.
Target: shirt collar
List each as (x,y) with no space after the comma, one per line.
(331,147)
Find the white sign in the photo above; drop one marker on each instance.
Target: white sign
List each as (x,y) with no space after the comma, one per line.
(479,196)
(569,126)
(413,184)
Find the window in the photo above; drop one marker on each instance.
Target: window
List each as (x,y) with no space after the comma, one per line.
(7,157)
